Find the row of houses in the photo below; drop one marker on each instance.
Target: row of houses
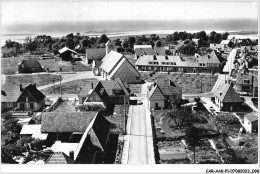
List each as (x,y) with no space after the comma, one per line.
(207,63)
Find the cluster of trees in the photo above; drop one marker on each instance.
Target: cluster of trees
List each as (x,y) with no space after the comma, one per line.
(204,38)
(11,142)
(10,44)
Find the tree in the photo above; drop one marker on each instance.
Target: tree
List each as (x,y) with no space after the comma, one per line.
(158,43)
(193,136)
(225,35)
(31,46)
(103,38)
(117,42)
(125,44)
(131,41)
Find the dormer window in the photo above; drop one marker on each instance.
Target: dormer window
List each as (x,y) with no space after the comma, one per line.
(154,57)
(145,53)
(166,58)
(246,81)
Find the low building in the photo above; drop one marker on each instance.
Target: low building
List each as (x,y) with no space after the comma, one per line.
(203,64)
(115,65)
(67,54)
(251,122)
(162,93)
(142,46)
(27,98)
(227,98)
(30,66)
(149,51)
(95,54)
(76,134)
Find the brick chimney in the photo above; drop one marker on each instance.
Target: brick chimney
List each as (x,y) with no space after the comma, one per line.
(71,153)
(92,86)
(21,88)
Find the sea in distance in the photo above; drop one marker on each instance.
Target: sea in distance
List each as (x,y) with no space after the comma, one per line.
(243,28)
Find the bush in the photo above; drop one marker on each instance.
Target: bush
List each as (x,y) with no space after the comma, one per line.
(37,144)
(91,107)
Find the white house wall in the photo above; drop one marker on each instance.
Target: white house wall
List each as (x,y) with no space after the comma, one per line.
(127,73)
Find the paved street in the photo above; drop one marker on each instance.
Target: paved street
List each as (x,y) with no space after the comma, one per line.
(139,144)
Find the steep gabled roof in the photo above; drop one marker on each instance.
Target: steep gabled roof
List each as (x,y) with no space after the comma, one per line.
(168,87)
(110,84)
(209,58)
(36,94)
(95,53)
(59,158)
(66,121)
(64,49)
(150,51)
(10,92)
(88,86)
(110,61)
(228,94)
(30,63)
(156,93)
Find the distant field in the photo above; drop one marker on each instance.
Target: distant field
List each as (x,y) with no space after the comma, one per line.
(39,79)
(10,65)
(189,83)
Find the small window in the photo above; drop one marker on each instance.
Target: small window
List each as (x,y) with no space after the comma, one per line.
(31,105)
(246,81)
(137,78)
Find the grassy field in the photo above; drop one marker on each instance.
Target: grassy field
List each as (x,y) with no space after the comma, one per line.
(10,65)
(74,87)
(39,79)
(189,83)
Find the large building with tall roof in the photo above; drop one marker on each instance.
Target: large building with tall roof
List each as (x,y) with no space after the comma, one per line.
(115,65)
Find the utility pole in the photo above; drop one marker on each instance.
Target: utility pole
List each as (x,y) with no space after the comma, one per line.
(125,114)
(60,88)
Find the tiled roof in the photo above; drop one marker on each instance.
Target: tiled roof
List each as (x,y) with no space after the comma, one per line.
(64,49)
(11,92)
(59,158)
(168,87)
(156,93)
(228,94)
(150,51)
(163,60)
(252,117)
(110,61)
(30,63)
(109,85)
(66,122)
(209,58)
(142,46)
(87,86)
(124,60)
(95,53)
(36,94)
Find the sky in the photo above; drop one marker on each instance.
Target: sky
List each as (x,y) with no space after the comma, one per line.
(33,12)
